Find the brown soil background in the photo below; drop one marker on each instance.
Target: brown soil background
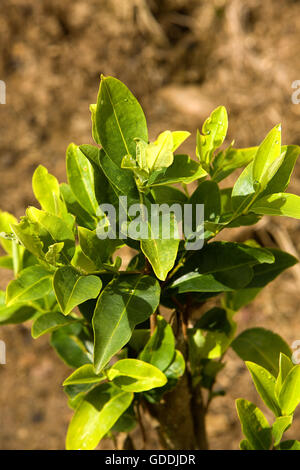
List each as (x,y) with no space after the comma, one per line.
(181,58)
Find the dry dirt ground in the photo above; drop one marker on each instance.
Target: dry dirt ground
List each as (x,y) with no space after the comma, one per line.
(182,58)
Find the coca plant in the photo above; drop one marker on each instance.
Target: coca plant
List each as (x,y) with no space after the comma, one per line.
(152,334)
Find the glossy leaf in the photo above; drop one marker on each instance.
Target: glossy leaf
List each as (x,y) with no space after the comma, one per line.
(96,415)
(183,170)
(51,229)
(69,347)
(231,159)
(255,426)
(72,289)
(285,365)
(119,119)
(47,322)
(133,375)
(47,192)
(268,157)
(159,350)
(214,132)
(31,284)
(282,204)
(261,346)
(280,425)
(84,375)
(124,303)
(289,396)
(265,384)
(81,179)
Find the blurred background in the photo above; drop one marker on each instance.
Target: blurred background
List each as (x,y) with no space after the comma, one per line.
(181,58)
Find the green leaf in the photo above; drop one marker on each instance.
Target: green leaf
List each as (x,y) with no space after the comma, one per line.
(124,303)
(245,445)
(231,159)
(47,322)
(96,249)
(177,367)
(255,426)
(289,396)
(214,132)
(31,284)
(81,179)
(208,194)
(281,179)
(168,195)
(15,314)
(159,350)
(82,217)
(72,289)
(6,222)
(289,445)
(119,119)
(178,138)
(280,425)
(47,192)
(162,243)
(265,272)
(51,229)
(84,375)
(283,204)
(265,385)
(133,375)
(262,347)
(121,180)
(6,262)
(69,347)
(183,170)
(96,415)
(268,157)
(156,155)
(243,190)
(285,365)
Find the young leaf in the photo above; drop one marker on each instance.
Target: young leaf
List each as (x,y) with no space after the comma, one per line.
(7,220)
(159,350)
(81,179)
(183,170)
(268,157)
(47,322)
(51,229)
(72,289)
(178,138)
(119,119)
(214,132)
(262,347)
(31,284)
(133,375)
(289,396)
(47,192)
(84,375)
(255,426)
(231,159)
(69,347)
(280,425)
(283,204)
(289,445)
(124,303)
(96,415)
(96,249)
(285,365)
(265,385)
